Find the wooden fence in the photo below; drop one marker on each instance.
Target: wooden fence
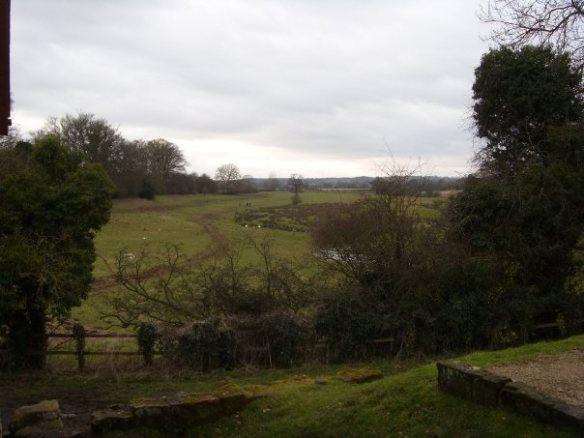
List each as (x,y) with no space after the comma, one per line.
(81,351)
(249,354)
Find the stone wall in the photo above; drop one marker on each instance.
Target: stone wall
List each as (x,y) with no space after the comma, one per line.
(475,384)
(173,415)
(41,419)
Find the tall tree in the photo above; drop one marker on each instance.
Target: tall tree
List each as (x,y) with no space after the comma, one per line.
(51,205)
(519,95)
(526,206)
(228,177)
(129,164)
(94,137)
(129,170)
(296,185)
(163,159)
(205,184)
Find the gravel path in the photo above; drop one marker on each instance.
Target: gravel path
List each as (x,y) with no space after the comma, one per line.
(559,375)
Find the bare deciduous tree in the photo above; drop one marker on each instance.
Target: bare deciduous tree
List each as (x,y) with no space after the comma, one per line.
(170,290)
(375,240)
(228,175)
(295,184)
(163,159)
(96,138)
(128,163)
(555,22)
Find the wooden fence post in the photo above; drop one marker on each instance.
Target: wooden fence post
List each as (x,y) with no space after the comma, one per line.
(79,335)
(5,360)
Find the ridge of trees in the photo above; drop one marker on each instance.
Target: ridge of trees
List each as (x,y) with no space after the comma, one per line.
(138,167)
(146,168)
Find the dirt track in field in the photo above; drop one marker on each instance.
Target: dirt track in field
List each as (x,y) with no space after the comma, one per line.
(206,221)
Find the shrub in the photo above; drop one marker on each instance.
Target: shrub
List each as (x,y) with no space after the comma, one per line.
(203,345)
(147,191)
(219,286)
(79,336)
(146,338)
(346,322)
(287,335)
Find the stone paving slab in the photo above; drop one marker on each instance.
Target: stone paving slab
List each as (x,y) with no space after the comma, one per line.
(481,386)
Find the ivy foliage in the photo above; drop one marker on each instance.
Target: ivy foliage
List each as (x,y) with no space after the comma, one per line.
(52,203)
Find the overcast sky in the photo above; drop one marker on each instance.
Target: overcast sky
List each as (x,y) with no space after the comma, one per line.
(318,87)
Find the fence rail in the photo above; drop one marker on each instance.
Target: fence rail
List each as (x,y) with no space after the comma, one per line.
(93,353)
(96,335)
(81,352)
(79,336)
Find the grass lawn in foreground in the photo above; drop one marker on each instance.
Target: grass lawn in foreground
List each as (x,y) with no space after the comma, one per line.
(405,402)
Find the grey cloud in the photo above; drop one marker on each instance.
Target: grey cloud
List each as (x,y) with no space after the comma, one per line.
(331,78)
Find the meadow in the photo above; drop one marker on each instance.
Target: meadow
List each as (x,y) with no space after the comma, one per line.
(198,222)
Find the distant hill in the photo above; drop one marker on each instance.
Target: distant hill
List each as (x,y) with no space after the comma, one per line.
(364,182)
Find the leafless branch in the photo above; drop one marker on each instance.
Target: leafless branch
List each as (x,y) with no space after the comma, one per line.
(554,22)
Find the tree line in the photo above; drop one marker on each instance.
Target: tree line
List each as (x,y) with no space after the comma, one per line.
(136,167)
(139,168)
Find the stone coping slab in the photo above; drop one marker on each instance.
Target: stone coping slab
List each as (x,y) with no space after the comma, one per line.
(484,387)
(41,419)
(174,413)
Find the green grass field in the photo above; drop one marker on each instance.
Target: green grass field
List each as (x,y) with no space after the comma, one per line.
(405,402)
(195,223)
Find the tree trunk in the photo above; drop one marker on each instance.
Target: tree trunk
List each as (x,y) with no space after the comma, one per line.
(27,339)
